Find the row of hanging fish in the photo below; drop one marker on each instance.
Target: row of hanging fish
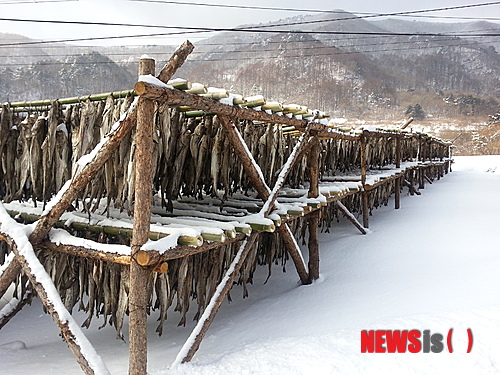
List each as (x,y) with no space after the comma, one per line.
(192,156)
(101,289)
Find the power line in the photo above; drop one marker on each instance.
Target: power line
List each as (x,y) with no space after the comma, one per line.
(345,38)
(93,38)
(206,29)
(311,10)
(10,2)
(366,15)
(248,29)
(449,17)
(394,14)
(335,53)
(260,50)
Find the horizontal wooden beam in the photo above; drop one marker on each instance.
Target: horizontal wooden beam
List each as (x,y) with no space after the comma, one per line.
(178,97)
(177,252)
(72,100)
(84,252)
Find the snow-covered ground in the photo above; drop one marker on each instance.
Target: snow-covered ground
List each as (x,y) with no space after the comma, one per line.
(434,264)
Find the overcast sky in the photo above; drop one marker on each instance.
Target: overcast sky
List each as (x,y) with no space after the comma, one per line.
(157,13)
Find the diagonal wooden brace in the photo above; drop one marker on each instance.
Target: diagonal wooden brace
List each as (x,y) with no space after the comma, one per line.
(83,351)
(256,177)
(9,275)
(193,342)
(350,217)
(285,171)
(14,306)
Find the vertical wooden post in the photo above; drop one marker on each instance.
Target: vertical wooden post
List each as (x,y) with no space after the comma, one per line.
(423,157)
(364,167)
(313,245)
(142,216)
(397,185)
(397,193)
(419,149)
(450,156)
(421,177)
(313,218)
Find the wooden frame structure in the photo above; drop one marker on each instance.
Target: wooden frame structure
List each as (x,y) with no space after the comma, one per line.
(140,116)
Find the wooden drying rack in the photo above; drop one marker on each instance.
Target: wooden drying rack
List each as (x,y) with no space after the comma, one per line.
(142,262)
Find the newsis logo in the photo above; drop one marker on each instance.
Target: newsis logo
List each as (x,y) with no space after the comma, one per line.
(413,341)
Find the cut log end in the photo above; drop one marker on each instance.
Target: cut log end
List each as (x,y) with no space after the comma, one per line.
(140,88)
(161,268)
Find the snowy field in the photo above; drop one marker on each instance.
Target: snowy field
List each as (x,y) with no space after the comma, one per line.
(432,265)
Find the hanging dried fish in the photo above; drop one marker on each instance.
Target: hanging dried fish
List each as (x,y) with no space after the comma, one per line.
(23,149)
(62,157)
(122,307)
(215,161)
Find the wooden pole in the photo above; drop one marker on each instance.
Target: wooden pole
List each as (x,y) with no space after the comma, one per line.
(313,245)
(397,193)
(15,306)
(411,181)
(450,155)
(313,164)
(397,183)
(176,60)
(193,342)
(421,174)
(257,179)
(364,167)
(178,97)
(350,217)
(9,274)
(138,298)
(313,218)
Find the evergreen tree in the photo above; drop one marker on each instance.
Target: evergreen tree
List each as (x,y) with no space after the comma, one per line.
(415,111)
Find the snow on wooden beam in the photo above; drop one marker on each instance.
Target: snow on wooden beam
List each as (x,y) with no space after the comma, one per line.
(117,230)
